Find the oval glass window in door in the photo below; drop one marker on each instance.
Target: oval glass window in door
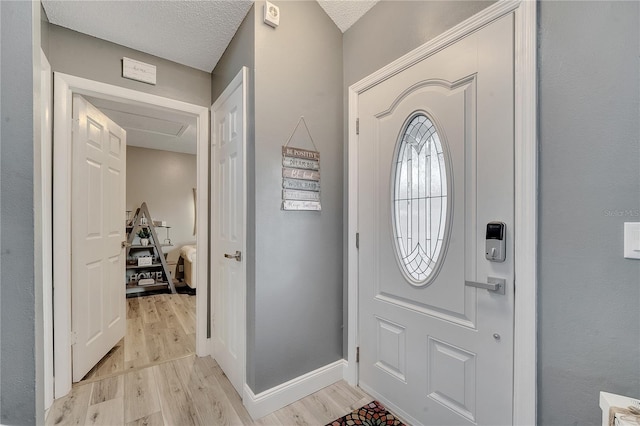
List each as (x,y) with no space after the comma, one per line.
(420,200)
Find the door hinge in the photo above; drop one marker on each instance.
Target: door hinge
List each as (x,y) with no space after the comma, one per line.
(357,240)
(357,126)
(358,354)
(74,338)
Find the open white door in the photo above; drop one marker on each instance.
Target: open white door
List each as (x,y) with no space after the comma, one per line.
(97,266)
(228,234)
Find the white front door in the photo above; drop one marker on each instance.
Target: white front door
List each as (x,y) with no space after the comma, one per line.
(435,167)
(228,237)
(98,315)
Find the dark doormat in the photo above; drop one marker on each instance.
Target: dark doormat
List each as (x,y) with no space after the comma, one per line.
(372,414)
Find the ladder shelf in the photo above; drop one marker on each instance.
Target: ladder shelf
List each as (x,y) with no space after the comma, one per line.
(156,274)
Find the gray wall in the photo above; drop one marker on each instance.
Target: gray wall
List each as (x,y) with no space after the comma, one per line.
(165,181)
(81,55)
(239,53)
(395,27)
(21,305)
(589,321)
(297,318)
(385,33)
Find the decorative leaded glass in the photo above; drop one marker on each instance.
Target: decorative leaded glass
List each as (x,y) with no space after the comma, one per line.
(420,200)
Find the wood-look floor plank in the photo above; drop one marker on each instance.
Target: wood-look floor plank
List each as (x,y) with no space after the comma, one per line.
(228,389)
(186,316)
(342,393)
(323,408)
(133,308)
(155,342)
(154,419)
(269,420)
(107,389)
(166,313)
(212,405)
(106,413)
(141,397)
(296,414)
(177,344)
(71,409)
(135,345)
(176,401)
(112,362)
(148,308)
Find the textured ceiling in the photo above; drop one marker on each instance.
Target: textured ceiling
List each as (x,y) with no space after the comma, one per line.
(152,127)
(345,13)
(192,33)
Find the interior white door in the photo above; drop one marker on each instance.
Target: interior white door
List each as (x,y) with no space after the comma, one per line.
(228,242)
(97,266)
(435,167)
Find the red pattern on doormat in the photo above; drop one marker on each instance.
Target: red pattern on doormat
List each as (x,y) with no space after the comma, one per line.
(372,414)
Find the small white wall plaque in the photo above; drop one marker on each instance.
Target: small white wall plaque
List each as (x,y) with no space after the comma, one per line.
(271,14)
(139,71)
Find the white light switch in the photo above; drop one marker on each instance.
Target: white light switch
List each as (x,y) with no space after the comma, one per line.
(632,240)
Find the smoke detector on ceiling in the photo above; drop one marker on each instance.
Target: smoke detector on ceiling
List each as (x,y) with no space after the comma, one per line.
(271,14)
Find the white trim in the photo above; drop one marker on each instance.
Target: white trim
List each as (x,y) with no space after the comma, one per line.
(241,79)
(526,215)
(287,393)
(524,402)
(64,87)
(45,166)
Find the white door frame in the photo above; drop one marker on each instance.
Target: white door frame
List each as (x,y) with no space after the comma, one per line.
(526,163)
(44,221)
(64,87)
(241,79)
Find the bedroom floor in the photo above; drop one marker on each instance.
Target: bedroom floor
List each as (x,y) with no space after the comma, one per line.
(190,391)
(160,328)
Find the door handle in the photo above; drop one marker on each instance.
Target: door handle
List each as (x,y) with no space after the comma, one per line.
(497,285)
(237,256)
(125,244)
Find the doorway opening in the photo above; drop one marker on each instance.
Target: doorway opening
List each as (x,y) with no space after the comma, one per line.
(66,87)
(160,234)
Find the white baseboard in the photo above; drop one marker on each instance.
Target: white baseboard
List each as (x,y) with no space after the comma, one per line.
(287,393)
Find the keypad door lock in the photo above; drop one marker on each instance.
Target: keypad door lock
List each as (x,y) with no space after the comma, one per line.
(496,236)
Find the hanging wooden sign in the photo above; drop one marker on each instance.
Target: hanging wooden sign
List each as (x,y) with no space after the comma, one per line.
(288,151)
(300,176)
(300,163)
(304,185)
(301,205)
(292,194)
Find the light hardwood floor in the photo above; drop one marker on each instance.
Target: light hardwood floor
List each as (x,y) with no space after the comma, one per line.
(160,328)
(189,391)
